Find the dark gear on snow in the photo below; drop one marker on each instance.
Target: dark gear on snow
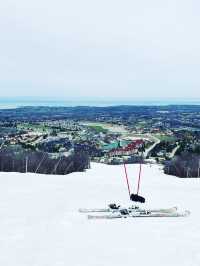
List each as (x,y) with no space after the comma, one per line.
(137,198)
(113,206)
(124,212)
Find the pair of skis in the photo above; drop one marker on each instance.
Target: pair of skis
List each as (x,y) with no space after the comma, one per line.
(132,212)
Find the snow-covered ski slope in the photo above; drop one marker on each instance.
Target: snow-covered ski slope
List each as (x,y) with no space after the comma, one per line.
(40,224)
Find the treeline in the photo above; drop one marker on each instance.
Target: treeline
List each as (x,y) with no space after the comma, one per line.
(184,165)
(188,146)
(20,160)
(165,146)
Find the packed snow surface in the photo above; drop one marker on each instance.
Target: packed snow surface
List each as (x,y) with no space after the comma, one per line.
(40,224)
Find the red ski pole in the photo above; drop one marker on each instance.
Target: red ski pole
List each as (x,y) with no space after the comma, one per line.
(128,186)
(138,187)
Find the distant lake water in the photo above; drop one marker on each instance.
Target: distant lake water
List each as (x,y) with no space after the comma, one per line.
(15,103)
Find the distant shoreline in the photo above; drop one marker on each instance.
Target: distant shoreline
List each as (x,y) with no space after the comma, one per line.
(18,104)
(4,107)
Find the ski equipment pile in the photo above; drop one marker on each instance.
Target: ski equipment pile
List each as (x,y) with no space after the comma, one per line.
(130,209)
(148,214)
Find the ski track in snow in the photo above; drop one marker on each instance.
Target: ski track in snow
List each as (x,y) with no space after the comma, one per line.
(40,224)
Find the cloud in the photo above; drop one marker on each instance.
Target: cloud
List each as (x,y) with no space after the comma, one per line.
(89,48)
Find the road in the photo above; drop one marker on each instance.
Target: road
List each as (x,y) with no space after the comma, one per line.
(174,151)
(156,142)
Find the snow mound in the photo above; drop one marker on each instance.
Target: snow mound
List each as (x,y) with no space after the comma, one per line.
(40,224)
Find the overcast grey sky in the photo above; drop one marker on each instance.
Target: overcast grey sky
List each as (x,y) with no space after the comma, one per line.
(105,48)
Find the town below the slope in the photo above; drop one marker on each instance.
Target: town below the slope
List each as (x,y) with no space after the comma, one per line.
(60,140)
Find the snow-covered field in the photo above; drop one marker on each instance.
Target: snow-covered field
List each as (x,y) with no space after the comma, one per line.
(40,224)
